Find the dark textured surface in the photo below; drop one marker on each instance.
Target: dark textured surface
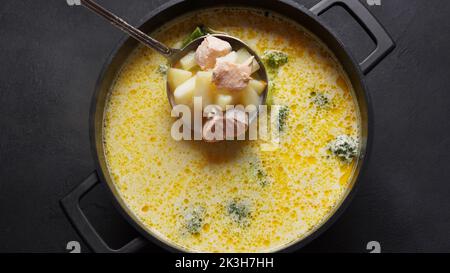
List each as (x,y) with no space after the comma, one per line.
(51,56)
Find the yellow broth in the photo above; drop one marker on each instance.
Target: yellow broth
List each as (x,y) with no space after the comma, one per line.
(287,193)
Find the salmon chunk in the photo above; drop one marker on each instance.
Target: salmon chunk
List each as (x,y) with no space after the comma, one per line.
(209,50)
(231,126)
(232,76)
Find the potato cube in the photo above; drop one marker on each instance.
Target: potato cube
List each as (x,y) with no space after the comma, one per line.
(243,55)
(250,97)
(255,66)
(188,61)
(205,77)
(185,92)
(223,100)
(204,88)
(230,57)
(258,86)
(175,77)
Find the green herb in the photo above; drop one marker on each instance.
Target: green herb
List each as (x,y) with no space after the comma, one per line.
(162,68)
(258,172)
(197,33)
(344,147)
(194,219)
(239,211)
(275,58)
(319,99)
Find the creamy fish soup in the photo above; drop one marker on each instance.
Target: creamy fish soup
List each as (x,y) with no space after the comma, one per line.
(236,196)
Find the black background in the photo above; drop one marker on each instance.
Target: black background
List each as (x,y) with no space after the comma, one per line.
(51,56)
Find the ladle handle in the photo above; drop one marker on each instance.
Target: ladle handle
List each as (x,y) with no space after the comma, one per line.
(127,28)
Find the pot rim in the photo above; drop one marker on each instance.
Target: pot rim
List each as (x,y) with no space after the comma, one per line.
(365,149)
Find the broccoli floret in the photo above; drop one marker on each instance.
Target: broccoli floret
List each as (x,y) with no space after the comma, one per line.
(194,219)
(344,147)
(283,114)
(262,177)
(197,33)
(162,68)
(239,211)
(275,58)
(319,99)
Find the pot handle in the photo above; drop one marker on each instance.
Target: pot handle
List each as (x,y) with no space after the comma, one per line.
(384,43)
(71,206)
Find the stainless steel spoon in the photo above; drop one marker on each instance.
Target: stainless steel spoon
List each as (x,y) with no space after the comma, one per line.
(174,55)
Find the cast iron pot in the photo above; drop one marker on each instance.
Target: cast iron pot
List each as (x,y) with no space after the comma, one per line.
(308,19)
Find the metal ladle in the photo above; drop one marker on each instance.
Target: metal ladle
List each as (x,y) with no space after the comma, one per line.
(173,55)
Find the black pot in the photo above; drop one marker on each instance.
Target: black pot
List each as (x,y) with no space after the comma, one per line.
(310,20)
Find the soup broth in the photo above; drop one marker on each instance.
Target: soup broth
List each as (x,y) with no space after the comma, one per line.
(233,196)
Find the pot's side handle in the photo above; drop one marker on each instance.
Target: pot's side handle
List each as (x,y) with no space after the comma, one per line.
(71,205)
(384,43)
